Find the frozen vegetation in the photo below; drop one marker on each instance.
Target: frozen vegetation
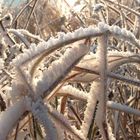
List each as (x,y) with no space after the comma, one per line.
(70,70)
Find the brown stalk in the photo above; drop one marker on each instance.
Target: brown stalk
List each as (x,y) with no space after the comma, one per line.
(21,11)
(16,133)
(55,91)
(29,16)
(63,104)
(111,75)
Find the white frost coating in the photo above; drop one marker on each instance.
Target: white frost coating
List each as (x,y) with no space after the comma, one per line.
(18,87)
(79,133)
(41,47)
(117,30)
(111,135)
(1,64)
(64,123)
(10,117)
(72,91)
(79,31)
(52,41)
(86,31)
(58,68)
(103,27)
(98,7)
(68,35)
(131,35)
(124,34)
(102,89)
(90,109)
(91,30)
(27,53)
(41,114)
(26,32)
(17,91)
(121,54)
(77,34)
(20,35)
(61,36)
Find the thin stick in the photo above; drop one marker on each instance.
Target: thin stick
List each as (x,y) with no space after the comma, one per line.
(16,131)
(22,10)
(111,75)
(28,18)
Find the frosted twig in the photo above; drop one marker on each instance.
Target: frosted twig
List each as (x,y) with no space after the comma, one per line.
(65,39)
(72,92)
(20,36)
(27,33)
(41,114)
(103,69)
(111,75)
(59,69)
(6,36)
(7,122)
(60,119)
(124,108)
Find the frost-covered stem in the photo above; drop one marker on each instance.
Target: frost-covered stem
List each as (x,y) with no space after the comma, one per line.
(64,123)
(41,114)
(125,79)
(109,129)
(24,79)
(45,48)
(59,79)
(59,69)
(6,36)
(102,58)
(114,76)
(77,94)
(20,36)
(105,29)
(102,52)
(90,109)
(27,33)
(110,104)
(72,92)
(124,108)
(10,117)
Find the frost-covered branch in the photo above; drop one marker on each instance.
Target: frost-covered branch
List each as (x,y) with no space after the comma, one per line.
(64,123)
(59,68)
(72,92)
(10,117)
(124,108)
(41,114)
(65,39)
